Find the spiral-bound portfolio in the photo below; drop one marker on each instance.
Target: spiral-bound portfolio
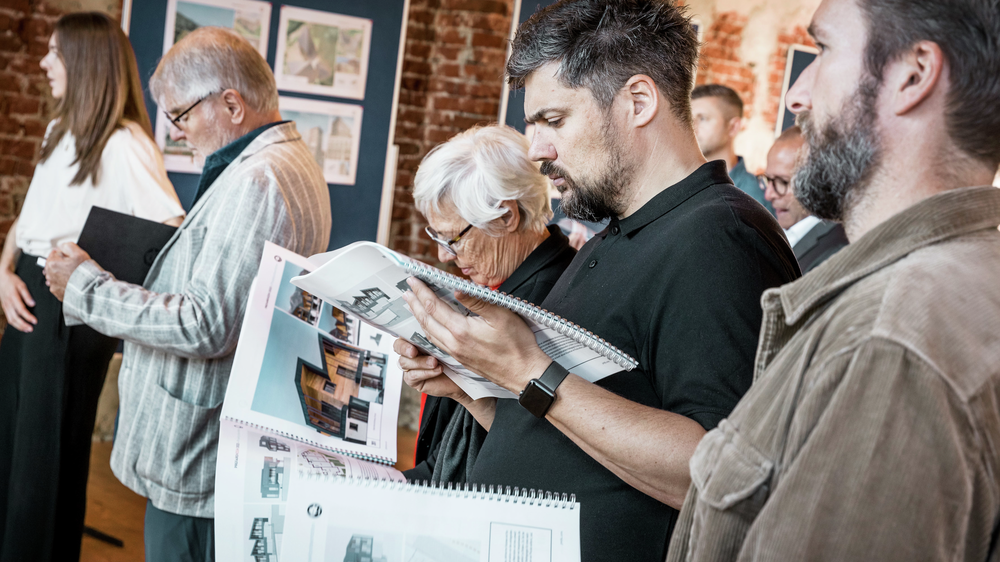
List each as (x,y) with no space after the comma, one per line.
(332,518)
(525,309)
(369,280)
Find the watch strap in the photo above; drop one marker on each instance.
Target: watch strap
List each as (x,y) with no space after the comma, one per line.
(553,376)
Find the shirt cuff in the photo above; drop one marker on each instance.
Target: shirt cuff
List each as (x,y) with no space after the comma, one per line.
(83,277)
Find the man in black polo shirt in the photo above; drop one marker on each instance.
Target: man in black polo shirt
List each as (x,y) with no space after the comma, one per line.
(675,280)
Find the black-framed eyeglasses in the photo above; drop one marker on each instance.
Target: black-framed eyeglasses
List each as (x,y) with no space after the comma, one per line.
(176,121)
(779,185)
(449,246)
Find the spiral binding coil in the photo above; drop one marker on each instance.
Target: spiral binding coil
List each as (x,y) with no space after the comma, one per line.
(524,308)
(362,456)
(507,494)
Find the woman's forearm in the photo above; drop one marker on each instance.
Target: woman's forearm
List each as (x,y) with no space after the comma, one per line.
(8,258)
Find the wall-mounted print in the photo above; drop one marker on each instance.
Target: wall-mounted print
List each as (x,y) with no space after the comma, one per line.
(250,19)
(333,133)
(322,53)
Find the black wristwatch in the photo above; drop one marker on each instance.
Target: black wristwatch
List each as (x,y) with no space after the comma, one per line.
(540,393)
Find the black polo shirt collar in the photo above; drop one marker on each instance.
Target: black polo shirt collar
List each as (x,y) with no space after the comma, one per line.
(538,259)
(219,160)
(707,175)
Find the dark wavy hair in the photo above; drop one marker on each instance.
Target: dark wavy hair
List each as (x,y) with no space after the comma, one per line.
(600,44)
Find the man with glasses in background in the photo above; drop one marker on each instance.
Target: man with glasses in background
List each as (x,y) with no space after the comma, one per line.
(260,183)
(812,239)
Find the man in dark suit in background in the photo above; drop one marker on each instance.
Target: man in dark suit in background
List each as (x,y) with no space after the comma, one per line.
(813,240)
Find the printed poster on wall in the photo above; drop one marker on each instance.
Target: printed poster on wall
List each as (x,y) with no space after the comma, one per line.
(332,131)
(322,53)
(248,18)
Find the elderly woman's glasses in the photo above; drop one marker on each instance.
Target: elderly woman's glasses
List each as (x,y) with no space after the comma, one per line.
(779,185)
(448,245)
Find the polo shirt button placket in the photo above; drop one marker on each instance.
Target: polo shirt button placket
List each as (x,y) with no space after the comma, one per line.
(615,230)
(593,263)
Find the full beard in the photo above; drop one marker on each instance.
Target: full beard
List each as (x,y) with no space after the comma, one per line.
(604,196)
(841,158)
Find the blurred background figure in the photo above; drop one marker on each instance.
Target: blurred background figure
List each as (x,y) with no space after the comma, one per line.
(812,240)
(487,206)
(718,117)
(97,151)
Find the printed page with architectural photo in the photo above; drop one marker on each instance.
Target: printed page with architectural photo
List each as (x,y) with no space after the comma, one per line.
(310,371)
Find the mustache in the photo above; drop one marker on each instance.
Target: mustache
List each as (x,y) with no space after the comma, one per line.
(548,168)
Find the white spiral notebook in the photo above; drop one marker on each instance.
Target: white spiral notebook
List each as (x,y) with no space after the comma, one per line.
(369,280)
(350,519)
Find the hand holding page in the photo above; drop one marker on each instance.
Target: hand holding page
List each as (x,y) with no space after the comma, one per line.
(369,280)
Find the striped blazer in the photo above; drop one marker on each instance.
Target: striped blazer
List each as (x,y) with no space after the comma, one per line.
(180,328)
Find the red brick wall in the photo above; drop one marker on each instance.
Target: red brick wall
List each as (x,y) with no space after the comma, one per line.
(720,61)
(452,80)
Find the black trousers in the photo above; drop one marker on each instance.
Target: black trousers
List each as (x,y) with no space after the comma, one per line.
(50,380)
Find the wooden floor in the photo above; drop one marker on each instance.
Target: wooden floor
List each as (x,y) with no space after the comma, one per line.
(117,511)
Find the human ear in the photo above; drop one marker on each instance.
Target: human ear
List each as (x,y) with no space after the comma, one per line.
(734,126)
(512,219)
(914,76)
(643,99)
(234,105)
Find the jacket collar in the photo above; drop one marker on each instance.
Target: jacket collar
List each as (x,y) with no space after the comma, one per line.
(285,132)
(945,215)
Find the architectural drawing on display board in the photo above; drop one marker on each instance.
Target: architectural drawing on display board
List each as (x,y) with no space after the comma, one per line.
(250,19)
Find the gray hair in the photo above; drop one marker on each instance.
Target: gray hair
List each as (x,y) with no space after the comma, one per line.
(210,60)
(479,169)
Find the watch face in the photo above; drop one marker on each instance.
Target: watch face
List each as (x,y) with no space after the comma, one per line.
(536,398)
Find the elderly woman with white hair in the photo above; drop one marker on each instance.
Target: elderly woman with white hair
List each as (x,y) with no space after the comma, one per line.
(487,207)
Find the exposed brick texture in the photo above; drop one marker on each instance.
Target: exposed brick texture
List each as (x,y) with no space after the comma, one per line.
(720,61)
(452,80)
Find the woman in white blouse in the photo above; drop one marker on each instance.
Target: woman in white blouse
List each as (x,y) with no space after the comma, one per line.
(97,152)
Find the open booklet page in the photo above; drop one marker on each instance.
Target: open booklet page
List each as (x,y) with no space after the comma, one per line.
(307,369)
(362,279)
(369,280)
(345,519)
(256,471)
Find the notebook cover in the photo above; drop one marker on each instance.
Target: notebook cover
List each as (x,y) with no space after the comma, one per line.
(123,244)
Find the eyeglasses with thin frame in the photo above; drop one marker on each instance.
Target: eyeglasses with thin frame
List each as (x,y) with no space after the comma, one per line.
(177,120)
(450,246)
(779,185)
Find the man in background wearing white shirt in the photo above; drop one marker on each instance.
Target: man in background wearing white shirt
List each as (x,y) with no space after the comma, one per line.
(813,240)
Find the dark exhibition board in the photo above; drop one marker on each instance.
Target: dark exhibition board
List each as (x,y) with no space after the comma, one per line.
(355,207)
(799,59)
(514,114)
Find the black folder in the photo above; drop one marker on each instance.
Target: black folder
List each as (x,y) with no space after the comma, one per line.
(122,244)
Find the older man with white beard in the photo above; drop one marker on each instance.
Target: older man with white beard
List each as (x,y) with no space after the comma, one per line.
(873,428)
(260,183)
